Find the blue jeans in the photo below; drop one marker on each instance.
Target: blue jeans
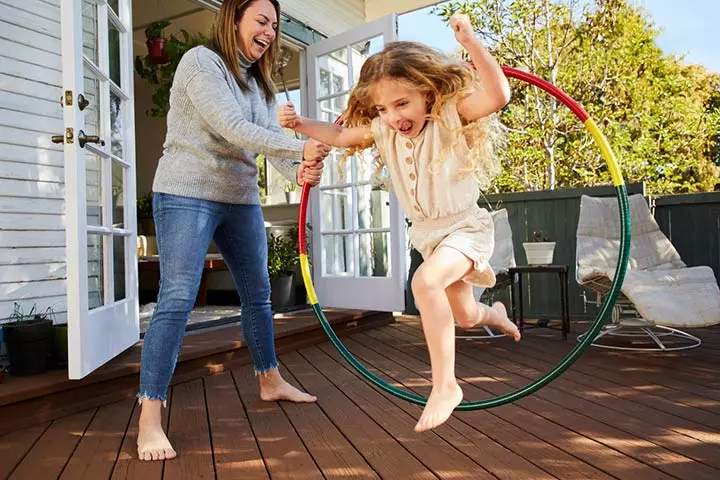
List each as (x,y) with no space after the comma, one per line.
(184,228)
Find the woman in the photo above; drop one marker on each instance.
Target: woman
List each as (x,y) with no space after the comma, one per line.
(222,115)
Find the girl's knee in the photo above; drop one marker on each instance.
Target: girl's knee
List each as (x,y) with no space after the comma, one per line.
(423,282)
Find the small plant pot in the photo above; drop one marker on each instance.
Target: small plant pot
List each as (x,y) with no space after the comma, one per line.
(291,197)
(30,346)
(282,292)
(156,50)
(539,253)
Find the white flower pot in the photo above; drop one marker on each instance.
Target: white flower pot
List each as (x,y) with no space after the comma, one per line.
(539,253)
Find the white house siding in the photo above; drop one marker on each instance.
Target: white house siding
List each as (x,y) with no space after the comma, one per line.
(328,17)
(375,9)
(32,232)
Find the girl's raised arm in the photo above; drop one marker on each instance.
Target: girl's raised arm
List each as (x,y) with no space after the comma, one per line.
(496,92)
(330,133)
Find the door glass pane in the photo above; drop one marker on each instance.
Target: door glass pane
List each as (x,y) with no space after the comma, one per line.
(93,174)
(114,5)
(95,271)
(91,87)
(338,254)
(375,254)
(114,53)
(337,170)
(118,190)
(117,113)
(327,112)
(335,209)
(373,207)
(361,51)
(90,30)
(334,75)
(119,266)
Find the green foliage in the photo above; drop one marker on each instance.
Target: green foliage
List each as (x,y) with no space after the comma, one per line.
(661,117)
(144,206)
(283,258)
(262,175)
(160,76)
(155,29)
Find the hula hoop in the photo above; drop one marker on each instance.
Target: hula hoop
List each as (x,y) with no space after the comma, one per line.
(580,347)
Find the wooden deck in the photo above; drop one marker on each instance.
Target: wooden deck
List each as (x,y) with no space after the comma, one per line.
(627,416)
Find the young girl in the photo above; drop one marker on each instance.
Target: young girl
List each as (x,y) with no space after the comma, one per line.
(426,114)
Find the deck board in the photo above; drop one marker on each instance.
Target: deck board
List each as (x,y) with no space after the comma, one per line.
(98,449)
(235,449)
(189,429)
(576,418)
(282,448)
(611,415)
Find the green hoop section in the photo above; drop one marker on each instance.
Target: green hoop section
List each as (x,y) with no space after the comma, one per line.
(600,319)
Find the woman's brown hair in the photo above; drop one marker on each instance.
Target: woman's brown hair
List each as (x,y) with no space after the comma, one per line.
(225,43)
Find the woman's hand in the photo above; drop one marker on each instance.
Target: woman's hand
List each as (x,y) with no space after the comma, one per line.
(315,151)
(288,117)
(461,26)
(310,173)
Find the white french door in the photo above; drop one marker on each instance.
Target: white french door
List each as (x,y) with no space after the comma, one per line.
(99,145)
(358,230)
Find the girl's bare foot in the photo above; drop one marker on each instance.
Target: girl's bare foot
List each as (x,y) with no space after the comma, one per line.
(152,443)
(439,407)
(497,317)
(274,388)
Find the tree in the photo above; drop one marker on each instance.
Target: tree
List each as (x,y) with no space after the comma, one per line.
(660,116)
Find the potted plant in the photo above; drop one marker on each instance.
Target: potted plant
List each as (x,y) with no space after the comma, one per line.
(540,251)
(146,226)
(155,42)
(290,192)
(158,68)
(29,340)
(282,264)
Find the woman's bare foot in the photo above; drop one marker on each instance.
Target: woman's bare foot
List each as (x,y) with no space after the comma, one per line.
(497,317)
(152,443)
(439,407)
(274,388)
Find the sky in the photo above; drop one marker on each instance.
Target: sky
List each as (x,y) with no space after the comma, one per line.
(689,28)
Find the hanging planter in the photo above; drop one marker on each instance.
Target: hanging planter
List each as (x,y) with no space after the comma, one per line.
(156,42)
(156,51)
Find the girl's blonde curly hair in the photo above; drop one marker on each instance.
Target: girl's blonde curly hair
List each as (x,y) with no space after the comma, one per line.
(442,79)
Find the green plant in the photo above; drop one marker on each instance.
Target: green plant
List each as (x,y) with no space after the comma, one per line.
(160,76)
(155,29)
(539,237)
(290,187)
(144,206)
(283,257)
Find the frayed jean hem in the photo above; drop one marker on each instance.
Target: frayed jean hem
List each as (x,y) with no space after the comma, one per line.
(145,396)
(264,371)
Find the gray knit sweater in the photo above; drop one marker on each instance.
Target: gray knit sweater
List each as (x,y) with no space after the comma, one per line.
(215,131)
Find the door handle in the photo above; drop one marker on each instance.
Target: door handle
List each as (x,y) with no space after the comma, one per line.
(83,139)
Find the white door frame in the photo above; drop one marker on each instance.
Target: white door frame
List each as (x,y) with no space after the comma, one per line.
(97,335)
(351,290)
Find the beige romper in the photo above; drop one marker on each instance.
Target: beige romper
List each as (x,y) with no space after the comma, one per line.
(442,206)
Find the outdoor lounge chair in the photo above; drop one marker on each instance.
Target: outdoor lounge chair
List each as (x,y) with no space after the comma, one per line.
(502,259)
(660,293)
